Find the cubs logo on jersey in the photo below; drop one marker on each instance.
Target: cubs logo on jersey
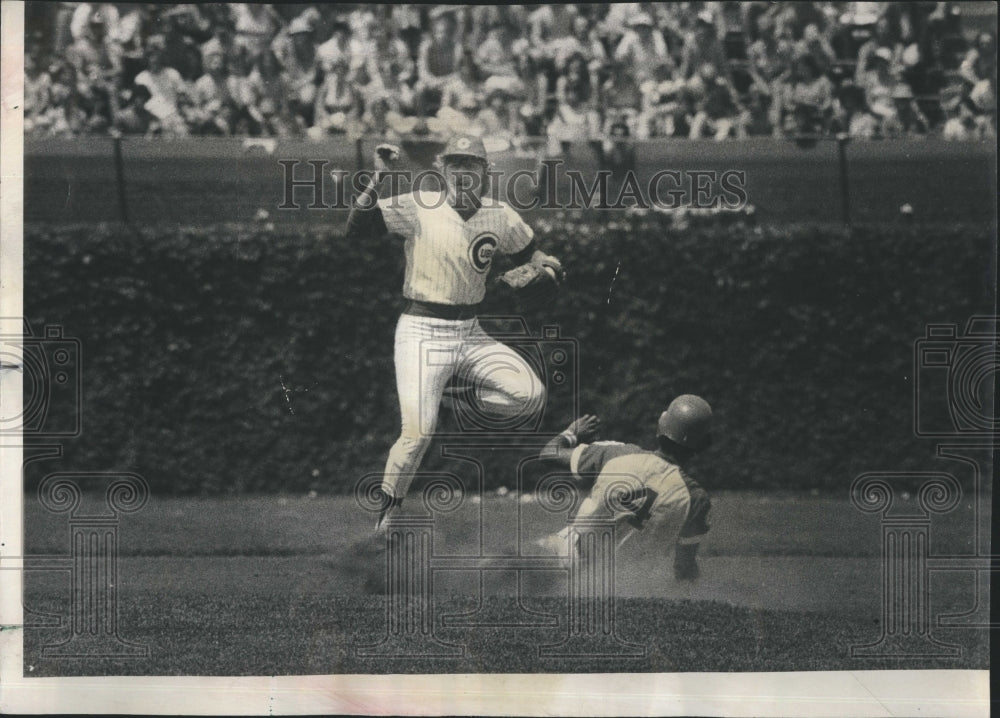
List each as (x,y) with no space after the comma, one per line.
(481,251)
(448,257)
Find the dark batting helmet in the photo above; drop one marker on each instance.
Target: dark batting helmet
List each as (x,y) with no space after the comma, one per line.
(687,422)
(465,146)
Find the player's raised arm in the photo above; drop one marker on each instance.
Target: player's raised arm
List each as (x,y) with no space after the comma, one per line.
(560,447)
(366,218)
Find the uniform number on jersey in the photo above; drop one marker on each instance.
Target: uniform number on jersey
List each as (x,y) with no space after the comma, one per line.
(481,251)
(639,503)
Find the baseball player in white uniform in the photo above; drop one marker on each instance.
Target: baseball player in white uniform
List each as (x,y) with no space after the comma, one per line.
(449,239)
(654,505)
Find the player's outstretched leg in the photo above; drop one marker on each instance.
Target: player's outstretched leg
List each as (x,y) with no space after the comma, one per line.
(404,460)
(423,355)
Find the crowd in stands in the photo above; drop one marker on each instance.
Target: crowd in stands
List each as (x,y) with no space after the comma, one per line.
(565,72)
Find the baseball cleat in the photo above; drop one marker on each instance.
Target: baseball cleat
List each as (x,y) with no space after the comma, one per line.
(386,513)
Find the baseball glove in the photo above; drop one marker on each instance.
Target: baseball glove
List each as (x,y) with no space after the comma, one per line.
(532,286)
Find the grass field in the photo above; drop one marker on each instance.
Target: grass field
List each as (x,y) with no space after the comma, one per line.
(276,585)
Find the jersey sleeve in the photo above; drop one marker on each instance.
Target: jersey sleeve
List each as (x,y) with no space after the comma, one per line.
(400,214)
(588,460)
(696,525)
(517,234)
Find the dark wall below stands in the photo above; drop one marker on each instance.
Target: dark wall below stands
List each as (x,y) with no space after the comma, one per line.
(197,181)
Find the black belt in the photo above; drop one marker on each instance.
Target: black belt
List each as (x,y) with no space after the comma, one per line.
(417,308)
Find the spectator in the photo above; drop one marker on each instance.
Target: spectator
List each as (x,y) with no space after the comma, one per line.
(82,17)
(398,78)
(296,52)
(768,57)
(718,112)
(133,118)
(622,100)
(548,23)
(37,95)
(665,110)
(336,101)
(499,117)
(127,31)
(883,38)
(244,93)
(96,60)
(212,104)
(509,17)
(276,119)
(875,76)
(361,21)
(703,46)
(463,118)
(676,24)
(532,109)
(61,18)
(481,19)
(643,48)
(128,35)
(584,41)
(64,116)
(186,30)
(818,47)
(965,123)
(406,25)
(95,56)
(855,29)
(576,77)
(255,25)
(338,47)
(851,115)
(804,98)
(617,18)
(980,62)
(462,83)
(979,70)
(493,55)
(168,93)
(392,61)
(437,62)
(364,72)
(575,120)
(790,20)
(760,116)
(376,120)
(907,118)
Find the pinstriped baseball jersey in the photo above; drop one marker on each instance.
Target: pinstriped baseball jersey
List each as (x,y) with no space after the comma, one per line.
(448,258)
